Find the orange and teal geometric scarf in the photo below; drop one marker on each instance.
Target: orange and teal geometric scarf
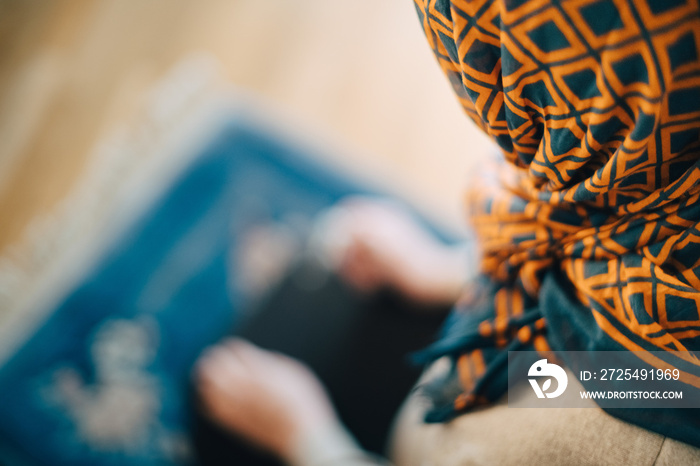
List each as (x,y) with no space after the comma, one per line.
(591,240)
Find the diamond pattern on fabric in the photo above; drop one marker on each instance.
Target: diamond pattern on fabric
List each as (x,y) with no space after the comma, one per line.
(582,83)
(548,37)
(683,52)
(631,69)
(602,17)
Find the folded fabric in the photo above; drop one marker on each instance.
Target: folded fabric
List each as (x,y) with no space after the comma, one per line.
(590,238)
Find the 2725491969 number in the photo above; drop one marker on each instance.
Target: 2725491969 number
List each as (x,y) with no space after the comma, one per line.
(639,374)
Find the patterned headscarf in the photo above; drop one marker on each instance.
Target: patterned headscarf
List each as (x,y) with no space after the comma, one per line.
(591,240)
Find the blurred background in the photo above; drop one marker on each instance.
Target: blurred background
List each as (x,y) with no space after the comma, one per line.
(360,72)
(89,325)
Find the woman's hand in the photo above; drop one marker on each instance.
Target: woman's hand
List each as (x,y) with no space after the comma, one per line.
(267,398)
(376,244)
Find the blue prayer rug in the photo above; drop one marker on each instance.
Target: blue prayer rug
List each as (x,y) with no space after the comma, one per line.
(102,377)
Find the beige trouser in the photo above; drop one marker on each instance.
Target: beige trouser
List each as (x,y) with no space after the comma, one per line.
(499,435)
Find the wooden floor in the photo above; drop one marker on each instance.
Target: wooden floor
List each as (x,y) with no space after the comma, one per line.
(360,71)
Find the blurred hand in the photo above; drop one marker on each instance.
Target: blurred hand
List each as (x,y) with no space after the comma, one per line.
(379,244)
(265,397)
